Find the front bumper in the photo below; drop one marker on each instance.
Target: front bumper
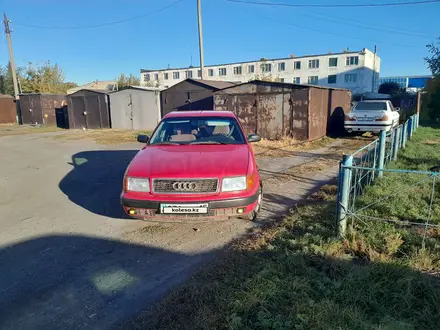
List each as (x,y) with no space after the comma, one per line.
(223,208)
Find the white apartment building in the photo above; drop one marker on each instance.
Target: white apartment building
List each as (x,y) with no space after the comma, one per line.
(357,71)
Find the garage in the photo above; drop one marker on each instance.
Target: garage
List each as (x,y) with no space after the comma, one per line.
(191,95)
(8,109)
(88,109)
(40,108)
(276,110)
(135,108)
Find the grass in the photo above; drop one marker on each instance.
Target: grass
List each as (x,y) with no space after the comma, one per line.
(103,136)
(13,129)
(297,275)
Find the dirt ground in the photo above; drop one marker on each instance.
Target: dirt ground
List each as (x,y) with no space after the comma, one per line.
(69,259)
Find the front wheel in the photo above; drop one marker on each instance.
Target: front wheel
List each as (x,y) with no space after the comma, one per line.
(254,214)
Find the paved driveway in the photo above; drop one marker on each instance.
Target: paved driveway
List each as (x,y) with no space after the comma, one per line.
(68,257)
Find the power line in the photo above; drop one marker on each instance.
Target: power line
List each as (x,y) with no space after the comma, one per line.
(339,5)
(342,21)
(102,24)
(335,34)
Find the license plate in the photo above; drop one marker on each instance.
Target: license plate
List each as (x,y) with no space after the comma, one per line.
(364,119)
(184,208)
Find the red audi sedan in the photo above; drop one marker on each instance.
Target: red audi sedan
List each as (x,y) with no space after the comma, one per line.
(196,164)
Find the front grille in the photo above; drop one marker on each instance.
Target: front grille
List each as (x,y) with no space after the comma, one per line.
(185,186)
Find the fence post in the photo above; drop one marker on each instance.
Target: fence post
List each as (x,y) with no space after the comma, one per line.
(396,142)
(410,127)
(345,181)
(404,134)
(382,143)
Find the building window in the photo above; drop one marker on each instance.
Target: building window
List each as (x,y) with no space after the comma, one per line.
(199,73)
(147,77)
(350,78)
(281,80)
(297,65)
(237,70)
(313,64)
(251,68)
(211,72)
(222,71)
(332,62)
(312,80)
(165,76)
(331,79)
(156,76)
(296,80)
(266,67)
(282,66)
(352,60)
(176,75)
(188,74)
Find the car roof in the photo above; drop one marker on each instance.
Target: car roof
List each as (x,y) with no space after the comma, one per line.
(204,113)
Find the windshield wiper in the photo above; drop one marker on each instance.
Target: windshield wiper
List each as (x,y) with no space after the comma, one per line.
(165,143)
(208,142)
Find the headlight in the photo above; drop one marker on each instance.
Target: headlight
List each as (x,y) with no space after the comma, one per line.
(234,184)
(138,184)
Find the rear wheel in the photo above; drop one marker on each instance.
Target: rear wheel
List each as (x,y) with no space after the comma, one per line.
(254,214)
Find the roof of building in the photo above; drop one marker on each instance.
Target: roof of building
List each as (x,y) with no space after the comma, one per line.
(99,91)
(203,113)
(285,84)
(428,76)
(108,85)
(211,84)
(260,60)
(141,88)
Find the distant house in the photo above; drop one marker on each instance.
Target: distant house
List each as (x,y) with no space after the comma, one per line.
(109,86)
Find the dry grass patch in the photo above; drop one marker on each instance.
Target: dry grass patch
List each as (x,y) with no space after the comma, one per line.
(103,136)
(12,129)
(285,146)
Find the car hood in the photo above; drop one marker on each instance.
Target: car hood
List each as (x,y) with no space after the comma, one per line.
(195,161)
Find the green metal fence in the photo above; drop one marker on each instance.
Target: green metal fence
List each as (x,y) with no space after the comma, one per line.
(362,168)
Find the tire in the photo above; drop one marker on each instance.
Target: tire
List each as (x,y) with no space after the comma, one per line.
(254,214)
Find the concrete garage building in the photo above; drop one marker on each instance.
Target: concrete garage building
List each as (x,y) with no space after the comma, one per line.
(357,71)
(135,108)
(88,109)
(275,110)
(191,94)
(40,108)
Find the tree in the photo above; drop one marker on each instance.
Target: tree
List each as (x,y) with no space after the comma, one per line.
(127,81)
(434,61)
(6,83)
(391,88)
(44,78)
(432,95)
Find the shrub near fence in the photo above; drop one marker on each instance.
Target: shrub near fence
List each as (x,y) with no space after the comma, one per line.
(361,169)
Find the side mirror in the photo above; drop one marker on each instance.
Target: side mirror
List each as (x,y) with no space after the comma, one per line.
(143,138)
(397,109)
(254,138)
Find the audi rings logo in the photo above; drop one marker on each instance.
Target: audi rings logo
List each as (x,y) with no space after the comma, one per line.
(184,186)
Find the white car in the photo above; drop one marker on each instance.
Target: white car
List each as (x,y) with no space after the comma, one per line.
(372,116)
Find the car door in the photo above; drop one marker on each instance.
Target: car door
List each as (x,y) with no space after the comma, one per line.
(393,113)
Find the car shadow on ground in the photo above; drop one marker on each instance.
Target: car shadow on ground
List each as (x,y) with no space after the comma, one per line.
(79,282)
(95,181)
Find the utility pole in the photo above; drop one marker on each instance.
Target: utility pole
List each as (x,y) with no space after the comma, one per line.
(374,70)
(202,61)
(11,56)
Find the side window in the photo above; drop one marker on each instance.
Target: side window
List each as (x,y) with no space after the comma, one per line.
(390,106)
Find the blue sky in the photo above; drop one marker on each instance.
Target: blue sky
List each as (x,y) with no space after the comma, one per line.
(232,32)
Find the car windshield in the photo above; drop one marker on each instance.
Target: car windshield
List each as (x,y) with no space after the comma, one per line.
(198,130)
(365,106)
